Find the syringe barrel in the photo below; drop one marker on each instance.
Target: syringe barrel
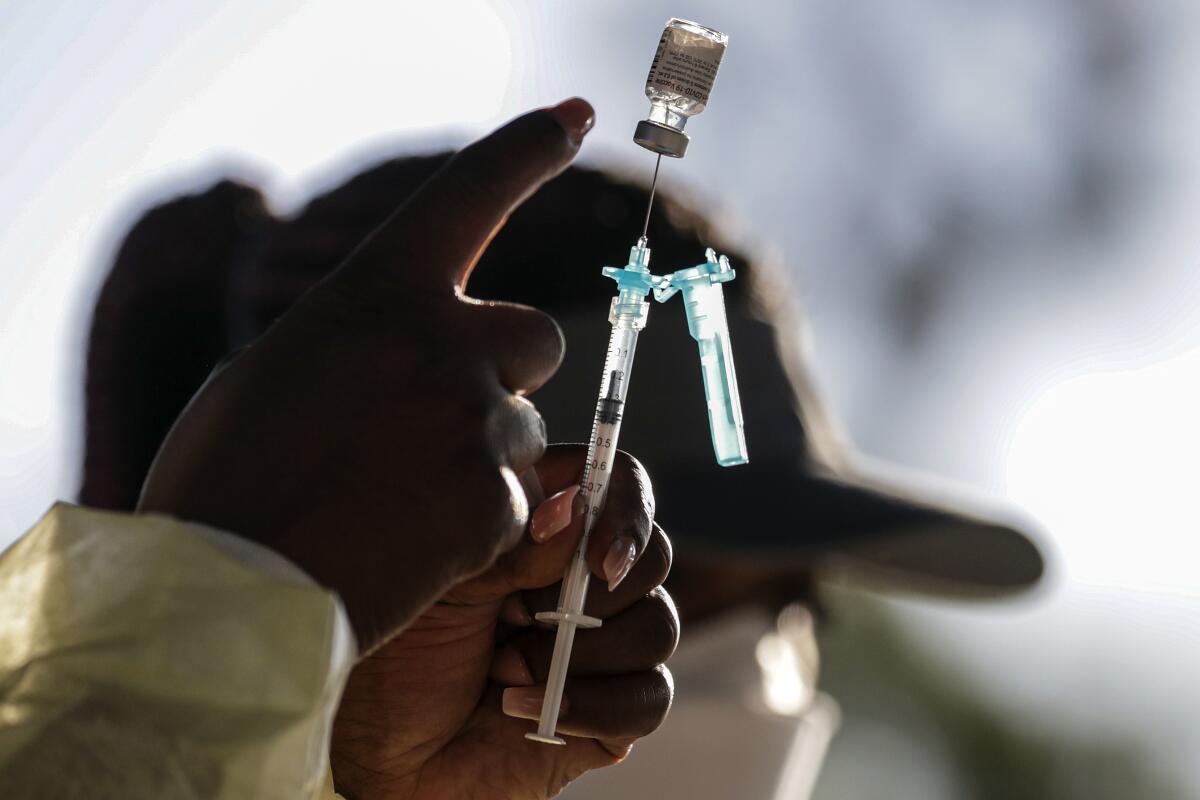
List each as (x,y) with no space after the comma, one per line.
(627,315)
(575,582)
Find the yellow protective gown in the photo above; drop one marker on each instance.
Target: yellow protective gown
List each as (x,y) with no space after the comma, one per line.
(143,657)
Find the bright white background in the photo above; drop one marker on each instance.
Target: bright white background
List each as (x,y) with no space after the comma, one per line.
(989,211)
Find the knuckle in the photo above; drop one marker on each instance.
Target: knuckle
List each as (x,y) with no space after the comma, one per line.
(658,555)
(628,463)
(538,424)
(546,333)
(517,428)
(657,696)
(493,498)
(654,564)
(635,473)
(526,339)
(637,531)
(638,527)
(528,323)
(499,516)
(661,626)
(516,512)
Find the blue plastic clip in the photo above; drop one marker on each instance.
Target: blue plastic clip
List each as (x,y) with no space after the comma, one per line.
(704,304)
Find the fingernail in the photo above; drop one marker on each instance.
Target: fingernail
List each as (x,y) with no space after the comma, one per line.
(619,560)
(553,515)
(509,667)
(525,702)
(576,116)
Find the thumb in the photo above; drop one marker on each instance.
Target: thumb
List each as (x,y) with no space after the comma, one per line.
(435,238)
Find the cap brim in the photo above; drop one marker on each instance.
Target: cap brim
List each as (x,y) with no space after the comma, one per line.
(876,525)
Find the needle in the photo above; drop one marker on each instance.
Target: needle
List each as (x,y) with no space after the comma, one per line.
(650,205)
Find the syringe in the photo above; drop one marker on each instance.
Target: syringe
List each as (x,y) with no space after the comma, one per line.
(681,76)
(628,317)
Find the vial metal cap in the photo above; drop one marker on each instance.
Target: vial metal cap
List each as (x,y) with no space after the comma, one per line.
(661,139)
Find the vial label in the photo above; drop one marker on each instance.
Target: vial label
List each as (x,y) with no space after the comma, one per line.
(685,64)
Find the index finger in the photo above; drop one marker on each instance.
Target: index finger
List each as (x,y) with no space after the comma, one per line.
(437,236)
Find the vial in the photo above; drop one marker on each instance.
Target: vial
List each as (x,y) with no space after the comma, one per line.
(681,77)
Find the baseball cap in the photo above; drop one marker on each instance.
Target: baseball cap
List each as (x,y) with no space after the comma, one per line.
(806,496)
(806,493)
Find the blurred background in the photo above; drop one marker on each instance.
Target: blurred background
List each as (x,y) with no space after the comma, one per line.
(987,213)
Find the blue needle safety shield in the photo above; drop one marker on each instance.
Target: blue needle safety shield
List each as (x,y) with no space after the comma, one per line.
(704,304)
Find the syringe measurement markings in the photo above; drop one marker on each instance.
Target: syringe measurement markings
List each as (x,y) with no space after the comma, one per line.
(605,424)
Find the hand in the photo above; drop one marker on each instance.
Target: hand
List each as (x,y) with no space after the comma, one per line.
(428,715)
(374,434)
